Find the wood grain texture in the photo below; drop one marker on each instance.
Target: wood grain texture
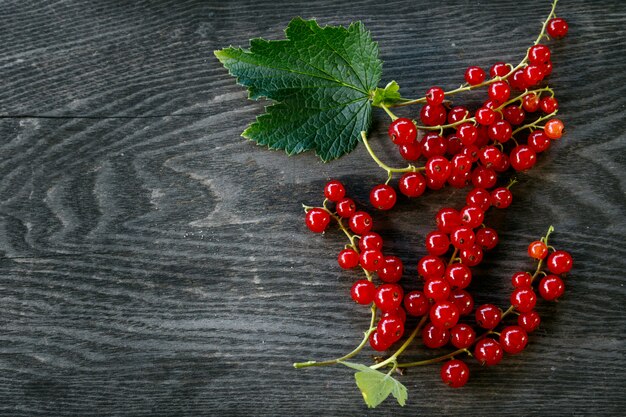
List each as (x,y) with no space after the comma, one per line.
(155,263)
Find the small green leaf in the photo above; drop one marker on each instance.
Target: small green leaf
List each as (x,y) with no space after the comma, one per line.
(376,386)
(321,80)
(388,95)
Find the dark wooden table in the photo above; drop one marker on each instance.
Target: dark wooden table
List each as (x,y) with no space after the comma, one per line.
(156,263)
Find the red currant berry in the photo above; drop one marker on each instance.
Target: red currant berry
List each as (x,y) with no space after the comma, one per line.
(411,152)
(416,303)
(371,241)
(487,238)
(483,177)
(538,54)
(433,115)
(472,216)
(437,289)
(434,184)
(485,116)
(560,262)
(388,297)
(457,114)
(472,256)
(479,197)
(398,313)
(538,141)
(500,131)
(517,80)
(334,190)
(537,250)
(501,197)
(453,144)
(548,104)
(554,129)
(383,197)
(431,267)
(371,260)
(557,27)
(462,237)
(458,275)
(412,184)
(513,339)
(461,164)
(530,102)
(437,243)
(391,269)
(474,75)
(390,329)
(499,69)
(448,219)
(499,91)
(533,74)
(434,95)
(438,168)
(462,336)
(490,156)
(551,287)
(467,133)
(345,207)
(444,314)
(488,316)
(348,259)
(433,145)
(463,301)
(459,180)
(455,373)
(377,343)
(529,321)
(434,337)
(523,157)
(503,165)
(317,219)
(523,299)
(402,131)
(363,291)
(471,152)
(546,68)
(521,280)
(360,222)
(514,115)
(488,352)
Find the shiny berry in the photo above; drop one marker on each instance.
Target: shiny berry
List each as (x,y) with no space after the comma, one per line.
(383,197)
(317,219)
(458,275)
(437,243)
(433,145)
(472,256)
(363,291)
(488,352)
(457,114)
(557,27)
(548,104)
(437,289)
(462,336)
(334,190)
(431,267)
(434,95)
(472,216)
(530,102)
(517,80)
(487,238)
(391,269)
(490,155)
(523,157)
(533,74)
(463,301)
(467,133)
(499,69)
(501,197)
(453,144)
(523,299)
(416,303)
(462,237)
(488,316)
(448,219)
(479,197)
(514,114)
(538,141)
(551,287)
(345,207)
(438,168)
(560,262)
(399,313)
(538,54)
(474,75)
(521,279)
(455,373)
(348,259)
(500,131)
(371,241)
(529,321)
(390,329)
(483,177)
(402,131)
(485,116)
(388,297)
(434,337)
(537,250)
(499,91)
(444,314)
(554,129)
(377,343)
(371,260)
(411,152)
(412,184)
(433,115)
(513,339)
(461,164)
(360,222)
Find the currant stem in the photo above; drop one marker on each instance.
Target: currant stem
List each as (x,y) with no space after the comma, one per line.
(389,112)
(390,170)
(434,360)
(534,124)
(407,342)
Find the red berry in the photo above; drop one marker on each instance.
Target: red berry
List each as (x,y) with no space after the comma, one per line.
(560,262)
(499,69)
(391,269)
(458,275)
(416,303)
(548,104)
(530,102)
(453,144)
(474,75)
(538,54)
(457,113)
(438,168)
(433,115)
(437,243)
(472,216)
(513,339)
(551,287)
(459,180)
(434,337)
(434,95)
(529,321)
(371,260)
(455,373)
(501,197)
(514,114)
(490,156)
(448,219)
(371,241)
(431,267)
(363,291)
(377,343)
(488,352)
(388,297)
(488,316)
(437,289)
(554,129)
(487,238)
(411,152)
(463,301)
(383,197)
(434,184)
(557,27)
(467,133)
(499,91)
(500,131)
(412,184)
(503,165)
(483,177)
(537,250)
(479,197)
(334,190)
(317,219)
(399,313)
(523,157)
(461,164)
(433,145)
(546,68)
(462,336)
(402,131)
(360,222)
(472,256)
(521,280)
(345,207)
(538,141)
(485,116)
(348,259)
(471,152)
(444,314)
(533,74)
(390,329)
(462,237)
(517,80)
(523,299)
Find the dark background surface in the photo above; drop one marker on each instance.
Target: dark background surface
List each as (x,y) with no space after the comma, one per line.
(156,263)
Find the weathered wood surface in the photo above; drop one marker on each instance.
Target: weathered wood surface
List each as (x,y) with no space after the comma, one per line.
(155,263)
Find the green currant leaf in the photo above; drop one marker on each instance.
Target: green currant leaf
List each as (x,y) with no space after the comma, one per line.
(376,386)
(321,79)
(388,95)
